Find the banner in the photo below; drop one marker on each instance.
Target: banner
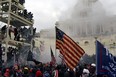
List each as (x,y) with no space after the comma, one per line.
(106,62)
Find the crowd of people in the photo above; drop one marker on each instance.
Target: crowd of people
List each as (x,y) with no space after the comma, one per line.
(19,32)
(11,52)
(13,1)
(48,70)
(25,14)
(40,69)
(21,12)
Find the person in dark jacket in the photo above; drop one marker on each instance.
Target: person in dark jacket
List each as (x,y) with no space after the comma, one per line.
(67,73)
(3,29)
(26,72)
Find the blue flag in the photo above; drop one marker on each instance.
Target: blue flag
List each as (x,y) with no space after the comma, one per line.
(106,62)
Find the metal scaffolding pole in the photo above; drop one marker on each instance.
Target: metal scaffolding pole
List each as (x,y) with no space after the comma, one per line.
(7,32)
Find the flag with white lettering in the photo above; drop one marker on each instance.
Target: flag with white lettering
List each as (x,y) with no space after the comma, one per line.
(106,62)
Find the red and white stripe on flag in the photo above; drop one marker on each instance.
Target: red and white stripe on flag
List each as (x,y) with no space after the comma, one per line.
(70,50)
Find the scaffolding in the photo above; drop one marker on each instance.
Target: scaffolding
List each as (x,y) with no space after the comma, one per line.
(12,14)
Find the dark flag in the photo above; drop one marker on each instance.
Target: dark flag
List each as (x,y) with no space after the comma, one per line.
(70,50)
(36,62)
(106,62)
(53,60)
(30,56)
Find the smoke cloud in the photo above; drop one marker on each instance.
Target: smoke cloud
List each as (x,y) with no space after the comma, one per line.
(87,18)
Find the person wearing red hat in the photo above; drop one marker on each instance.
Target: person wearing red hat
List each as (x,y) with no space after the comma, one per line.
(38,74)
(7,73)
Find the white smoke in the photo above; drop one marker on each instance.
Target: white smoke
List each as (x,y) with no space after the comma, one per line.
(87,18)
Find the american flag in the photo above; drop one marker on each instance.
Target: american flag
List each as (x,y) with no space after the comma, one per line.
(70,50)
(53,60)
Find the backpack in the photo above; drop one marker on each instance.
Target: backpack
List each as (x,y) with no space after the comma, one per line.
(46,74)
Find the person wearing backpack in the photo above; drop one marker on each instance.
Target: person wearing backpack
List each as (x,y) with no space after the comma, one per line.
(46,74)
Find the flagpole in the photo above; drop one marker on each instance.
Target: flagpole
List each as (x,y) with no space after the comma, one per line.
(57,25)
(96,51)
(55,44)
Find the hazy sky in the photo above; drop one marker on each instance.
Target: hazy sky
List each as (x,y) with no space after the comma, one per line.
(47,12)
